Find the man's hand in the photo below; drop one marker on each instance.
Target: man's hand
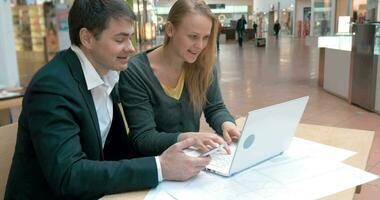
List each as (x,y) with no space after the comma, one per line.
(177,166)
(231,133)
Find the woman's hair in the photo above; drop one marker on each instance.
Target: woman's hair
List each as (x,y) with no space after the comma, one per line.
(198,75)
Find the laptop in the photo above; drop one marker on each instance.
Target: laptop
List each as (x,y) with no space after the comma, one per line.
(267,133)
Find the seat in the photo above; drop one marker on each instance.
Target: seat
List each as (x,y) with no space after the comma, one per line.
(8,135)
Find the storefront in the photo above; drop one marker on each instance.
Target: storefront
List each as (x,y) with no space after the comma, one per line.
(146,24)
(33,31)
(40,30)
(323,17)
(359,11)
(302,18)
(227,15)
(268,12)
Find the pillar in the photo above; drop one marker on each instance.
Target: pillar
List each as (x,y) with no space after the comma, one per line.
(9,76)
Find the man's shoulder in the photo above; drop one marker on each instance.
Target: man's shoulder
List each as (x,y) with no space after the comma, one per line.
(56,72)
(59,63)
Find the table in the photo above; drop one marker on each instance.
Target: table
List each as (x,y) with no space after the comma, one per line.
(8,103)
(359,141)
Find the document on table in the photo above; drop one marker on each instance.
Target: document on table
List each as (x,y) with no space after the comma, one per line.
(307,178)
(301,146)
(308,170)
(158,194)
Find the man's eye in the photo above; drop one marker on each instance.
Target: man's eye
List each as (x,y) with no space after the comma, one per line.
(119,40)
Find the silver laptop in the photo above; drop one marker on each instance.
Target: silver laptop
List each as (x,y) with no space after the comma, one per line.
(267,133)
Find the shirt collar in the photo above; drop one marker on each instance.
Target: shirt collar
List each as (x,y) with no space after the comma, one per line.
(93,79)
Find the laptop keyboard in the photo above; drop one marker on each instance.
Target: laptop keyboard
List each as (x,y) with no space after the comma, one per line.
(220,160)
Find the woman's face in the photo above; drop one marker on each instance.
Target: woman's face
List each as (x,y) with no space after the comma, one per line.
(190,37)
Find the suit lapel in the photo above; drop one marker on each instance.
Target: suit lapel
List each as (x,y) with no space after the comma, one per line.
(76,70)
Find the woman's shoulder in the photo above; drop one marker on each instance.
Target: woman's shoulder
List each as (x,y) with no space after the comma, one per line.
(138,68)
(139,58)
(139,63)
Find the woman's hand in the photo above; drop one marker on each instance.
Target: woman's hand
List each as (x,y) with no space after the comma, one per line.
(205,141)
(231,133)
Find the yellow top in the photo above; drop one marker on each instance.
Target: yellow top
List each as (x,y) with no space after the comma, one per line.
(177,91)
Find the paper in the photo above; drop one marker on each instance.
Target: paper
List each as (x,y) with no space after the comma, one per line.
(307,170)
(158,194)
(306,147)
(308,178)
(340,179)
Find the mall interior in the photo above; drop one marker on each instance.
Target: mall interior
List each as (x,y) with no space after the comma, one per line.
(327,50)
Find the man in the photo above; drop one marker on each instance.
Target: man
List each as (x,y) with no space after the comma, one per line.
(240,28)
(254,30)
(71,141)
(324,25)
(276,28)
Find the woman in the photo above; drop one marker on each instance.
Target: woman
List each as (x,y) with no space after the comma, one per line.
(165,90)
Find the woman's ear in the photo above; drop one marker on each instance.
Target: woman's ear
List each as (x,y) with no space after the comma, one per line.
(169,29)
(86,38)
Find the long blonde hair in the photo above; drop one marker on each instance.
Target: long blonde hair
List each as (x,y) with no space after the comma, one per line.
(198,74)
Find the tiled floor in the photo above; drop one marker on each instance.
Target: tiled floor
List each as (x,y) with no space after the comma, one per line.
(253,77)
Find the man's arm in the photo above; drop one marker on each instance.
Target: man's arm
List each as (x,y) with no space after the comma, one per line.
(56,138)
(176,165)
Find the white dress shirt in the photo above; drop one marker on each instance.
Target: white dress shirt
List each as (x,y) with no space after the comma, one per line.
(101,88)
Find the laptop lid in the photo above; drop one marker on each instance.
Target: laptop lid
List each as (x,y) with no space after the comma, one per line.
(267,133)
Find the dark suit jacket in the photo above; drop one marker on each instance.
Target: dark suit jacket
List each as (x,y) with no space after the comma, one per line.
(59,153)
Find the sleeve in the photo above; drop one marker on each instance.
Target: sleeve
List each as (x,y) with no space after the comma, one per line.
(56,138)
(138,108)
(215,111)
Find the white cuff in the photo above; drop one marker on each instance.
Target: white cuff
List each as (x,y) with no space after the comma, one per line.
(159,171)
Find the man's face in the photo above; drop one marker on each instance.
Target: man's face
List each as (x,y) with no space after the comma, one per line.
(110,51)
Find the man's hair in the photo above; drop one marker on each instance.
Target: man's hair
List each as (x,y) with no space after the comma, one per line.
(94,15)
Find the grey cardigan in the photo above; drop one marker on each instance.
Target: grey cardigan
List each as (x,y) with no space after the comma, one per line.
(156,119)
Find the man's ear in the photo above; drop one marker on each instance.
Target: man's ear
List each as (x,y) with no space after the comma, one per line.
(169,29)
(86,38)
